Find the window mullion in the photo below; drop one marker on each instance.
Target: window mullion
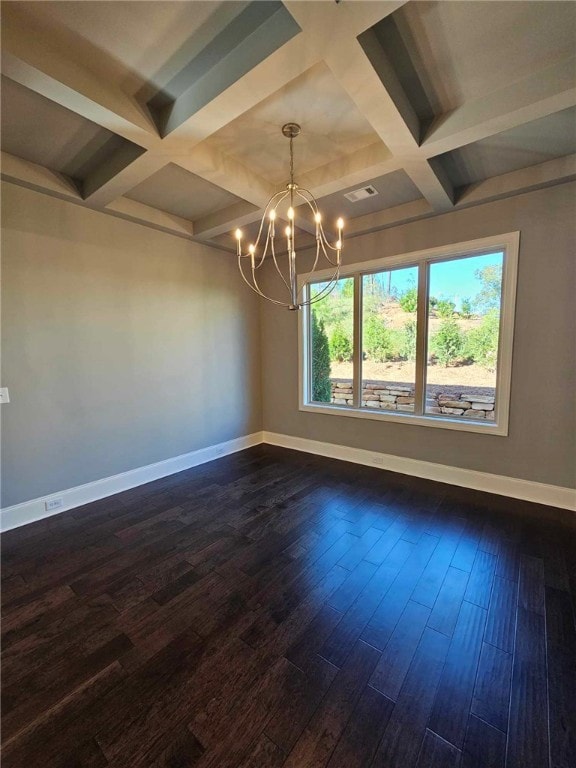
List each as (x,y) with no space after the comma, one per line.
(357,357)
(421,338)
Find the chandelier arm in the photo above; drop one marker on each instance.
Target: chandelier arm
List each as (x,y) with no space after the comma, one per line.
(256,288)
(248,283)
(328,283)
(282,194)
(324,243)
(311,200)
(257,266)
(324,292)
(259,232)
(273,250)
(332,247)
(314,207)
(317,256)
(300,192)
(310,271)
(259,290)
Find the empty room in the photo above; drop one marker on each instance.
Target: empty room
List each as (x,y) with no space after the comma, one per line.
(288,383)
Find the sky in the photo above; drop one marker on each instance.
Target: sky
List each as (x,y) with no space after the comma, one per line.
(454,279)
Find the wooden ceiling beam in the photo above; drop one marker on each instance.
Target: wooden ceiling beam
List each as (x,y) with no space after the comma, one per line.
(547,91)
(28,59)
(37,177)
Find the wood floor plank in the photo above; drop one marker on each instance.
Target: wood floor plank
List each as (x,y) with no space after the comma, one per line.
(492,691)
(52,728)
(561,655)
(27,704)
(382,548)
(479,587)
(406,729)
(352,559)
(354,623)
(307,646)
(501,623)
(449,601)
(351,587)
(531,587)
(396,658)
(265,754)
(508,564)
(468,546)
(428,587)
(449,715)
(231,734)
(304,692)
(365,728)
(484,747)
(183,751)
(386,616)
(317,742)
(528,727)
(437,753)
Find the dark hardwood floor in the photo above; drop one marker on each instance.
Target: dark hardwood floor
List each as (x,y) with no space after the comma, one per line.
(275,609)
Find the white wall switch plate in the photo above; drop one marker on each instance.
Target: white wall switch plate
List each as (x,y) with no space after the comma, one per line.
(53,504)
(4,395)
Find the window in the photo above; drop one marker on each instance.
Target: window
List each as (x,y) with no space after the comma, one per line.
(422,338)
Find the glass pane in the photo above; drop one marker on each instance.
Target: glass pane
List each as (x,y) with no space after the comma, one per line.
(463,330)
(389,302)
(331,343)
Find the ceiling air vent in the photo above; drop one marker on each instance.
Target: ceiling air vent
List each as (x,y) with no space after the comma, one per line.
(361,194)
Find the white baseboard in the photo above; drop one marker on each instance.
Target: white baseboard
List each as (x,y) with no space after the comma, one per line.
(540,493)
(35,509)
(30,511)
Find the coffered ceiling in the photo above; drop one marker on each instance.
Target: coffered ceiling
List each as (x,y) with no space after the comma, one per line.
(169,113)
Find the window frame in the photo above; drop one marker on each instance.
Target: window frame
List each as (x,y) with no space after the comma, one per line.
(508,244)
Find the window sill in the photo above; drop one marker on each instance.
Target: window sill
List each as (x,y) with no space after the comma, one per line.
(438,422)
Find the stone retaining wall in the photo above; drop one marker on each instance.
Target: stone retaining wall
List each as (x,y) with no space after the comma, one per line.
(457,401)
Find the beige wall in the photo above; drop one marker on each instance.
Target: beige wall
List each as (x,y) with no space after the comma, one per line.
(541,442)
(121,346)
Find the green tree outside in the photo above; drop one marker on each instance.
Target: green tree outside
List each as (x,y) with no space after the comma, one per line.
(409,300)
(448,342)
(466,308)
(321,388)
(340,345)
(491,279)
(445,308)
(377,340)
(408,345)
(482,342)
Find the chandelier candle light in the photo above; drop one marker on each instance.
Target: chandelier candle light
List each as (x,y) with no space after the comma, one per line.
(274,211)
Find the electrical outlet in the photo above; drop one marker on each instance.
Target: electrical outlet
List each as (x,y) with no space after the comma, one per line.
(377,459)
(4,395)
(53,504)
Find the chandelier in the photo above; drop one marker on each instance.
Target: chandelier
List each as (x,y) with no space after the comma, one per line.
(266,244)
